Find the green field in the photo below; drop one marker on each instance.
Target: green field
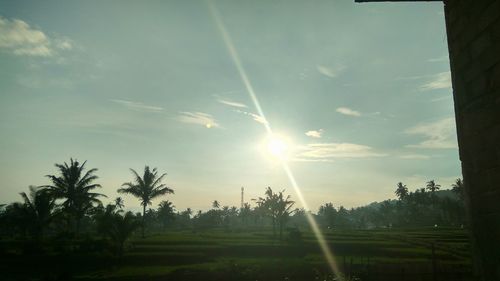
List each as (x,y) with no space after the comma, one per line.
(387,254)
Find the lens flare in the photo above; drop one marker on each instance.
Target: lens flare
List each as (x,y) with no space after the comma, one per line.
(276,146)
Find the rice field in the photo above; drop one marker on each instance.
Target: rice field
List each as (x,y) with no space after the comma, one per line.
(387,254)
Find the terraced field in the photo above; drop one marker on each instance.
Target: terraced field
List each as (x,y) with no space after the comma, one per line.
(412,254)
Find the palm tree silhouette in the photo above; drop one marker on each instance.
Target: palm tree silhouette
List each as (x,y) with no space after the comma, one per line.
(39,207)
(432,186)
(215,204)
(118,227)
(401,191)
(166,212)
(119,203)
(283,206)
(458,188)
(75,188)
(146,188)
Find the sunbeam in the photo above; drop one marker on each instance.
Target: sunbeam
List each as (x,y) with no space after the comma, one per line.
(276,147)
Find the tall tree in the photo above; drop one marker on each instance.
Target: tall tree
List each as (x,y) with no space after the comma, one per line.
(166,212)
(432,186)
(401,191)
(283,207)
(146,188)
(74,187)
(215,204)
(119,203)
(458,188)
(39,209)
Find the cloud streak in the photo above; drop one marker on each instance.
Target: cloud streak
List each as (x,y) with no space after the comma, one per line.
(19,38)
(232,103)
(255,117)
(348,111)
(327,152)
(198,118)
(439,134)
(138,106)
(438,81)
(331,72)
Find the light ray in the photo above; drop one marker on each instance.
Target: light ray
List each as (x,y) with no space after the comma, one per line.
(246,81)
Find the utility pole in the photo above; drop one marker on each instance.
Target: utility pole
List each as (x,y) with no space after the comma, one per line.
(242,198)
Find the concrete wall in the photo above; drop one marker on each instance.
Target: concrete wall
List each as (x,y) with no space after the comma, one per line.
(473,28)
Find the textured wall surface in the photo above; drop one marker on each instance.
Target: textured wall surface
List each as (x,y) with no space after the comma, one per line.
(473,28)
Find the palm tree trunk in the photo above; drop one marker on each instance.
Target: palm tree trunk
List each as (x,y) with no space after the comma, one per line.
(143,219)
(77,226)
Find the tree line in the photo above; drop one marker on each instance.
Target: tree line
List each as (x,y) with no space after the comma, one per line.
(71,206)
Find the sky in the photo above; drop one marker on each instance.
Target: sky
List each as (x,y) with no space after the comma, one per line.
(359,95)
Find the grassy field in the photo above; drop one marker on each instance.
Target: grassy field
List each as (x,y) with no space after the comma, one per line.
(387,254)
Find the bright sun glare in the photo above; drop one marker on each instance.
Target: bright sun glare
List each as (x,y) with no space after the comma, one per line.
(278,147)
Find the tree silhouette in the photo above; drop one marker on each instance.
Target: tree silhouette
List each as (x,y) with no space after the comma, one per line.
(277,207)
(458,188)
(432,186)
(146,188)
(215,204)
(283,207)
(39,208)
(74,187)
(117,227)
(166,212)
(119,203)
(401,191)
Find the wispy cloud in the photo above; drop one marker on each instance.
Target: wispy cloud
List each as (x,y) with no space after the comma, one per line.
(254,116)
(315,133)
(326,152)
(232,103)
(348,111)
(138,106)
(439,59)
(198,118)
(438,81)
(330,72)
(20,38)
(439,134)
(415,156)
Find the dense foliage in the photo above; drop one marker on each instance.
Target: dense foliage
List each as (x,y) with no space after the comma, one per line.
(68,207)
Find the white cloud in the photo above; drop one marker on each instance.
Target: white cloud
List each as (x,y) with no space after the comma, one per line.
(232,103)
(315,133)
(348,111)
(415,156)
(138,106)
(20,38)
(438,81)
(329,151)
(255,117)
(331,72)
(439,134)
(439,59)
(198,118)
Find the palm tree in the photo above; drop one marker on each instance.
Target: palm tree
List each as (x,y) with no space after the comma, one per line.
(74,187)
(146,188)
(432,186)
(166,212)
(118,228)
(39,206)
(458,188)
(401,191)
(283,210)
(119,203)
(215,204)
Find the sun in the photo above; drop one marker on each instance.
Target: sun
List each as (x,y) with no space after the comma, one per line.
(278,146)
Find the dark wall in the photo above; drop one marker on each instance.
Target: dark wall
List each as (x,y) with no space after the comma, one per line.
(473,28)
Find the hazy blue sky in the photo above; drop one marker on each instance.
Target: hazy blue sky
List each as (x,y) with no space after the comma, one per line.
(361,91)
